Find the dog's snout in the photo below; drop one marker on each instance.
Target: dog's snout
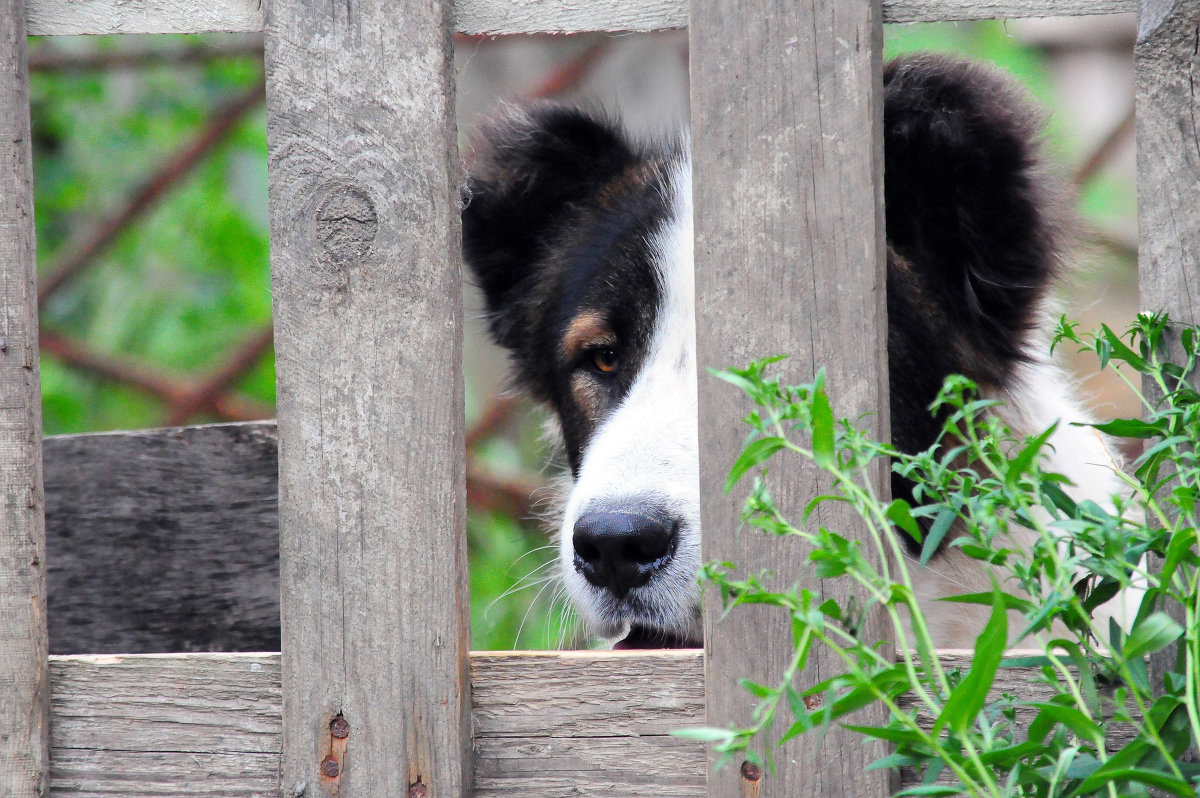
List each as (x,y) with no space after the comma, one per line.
(621,550)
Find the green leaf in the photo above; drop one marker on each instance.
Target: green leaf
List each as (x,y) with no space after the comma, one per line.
(1128,428)
(968,698)
(705,734)
(885,733)
(900,514)
(822,429)
(757,690)
(754,453)
(1007,600)
(1073,719)
(735,379)
(930,789)
(1020,464)
(1153,778)
(1153,634)
(1122,351)
(937,533)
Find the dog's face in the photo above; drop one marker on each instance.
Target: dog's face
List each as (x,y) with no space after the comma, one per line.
(630,536)
(582,244)
(583,247)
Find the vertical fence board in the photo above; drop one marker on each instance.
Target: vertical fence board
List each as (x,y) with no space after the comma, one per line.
(1167,66)
(24,690)
(787,138)
(366,281)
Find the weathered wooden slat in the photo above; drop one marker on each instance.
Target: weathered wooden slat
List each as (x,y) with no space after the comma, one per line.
(163,540)
(367,294)
(1168,150)
(71,17)
(547,725)
(965,10)
(789,259)
(68,17)
(1167,72)
(24,690)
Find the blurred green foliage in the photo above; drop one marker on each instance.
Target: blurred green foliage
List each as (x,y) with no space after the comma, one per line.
(189,281)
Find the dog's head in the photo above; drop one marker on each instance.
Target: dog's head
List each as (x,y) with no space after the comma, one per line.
(582,243)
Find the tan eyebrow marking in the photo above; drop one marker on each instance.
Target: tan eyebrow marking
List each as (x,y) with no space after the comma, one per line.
(588,329)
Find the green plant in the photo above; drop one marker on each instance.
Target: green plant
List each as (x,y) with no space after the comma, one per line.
(972,488)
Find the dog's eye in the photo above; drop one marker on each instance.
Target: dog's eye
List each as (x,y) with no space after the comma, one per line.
(605,360)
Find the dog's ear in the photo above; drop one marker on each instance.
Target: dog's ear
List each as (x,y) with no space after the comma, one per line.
(534,167)
(969,207)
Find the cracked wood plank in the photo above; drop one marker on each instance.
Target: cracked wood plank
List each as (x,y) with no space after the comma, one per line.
(363,175)
(24,690)
(788,178)
(1167,72)
(546,724)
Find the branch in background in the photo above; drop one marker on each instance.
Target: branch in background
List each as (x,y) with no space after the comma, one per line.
(94,241)
(147,380)
(489,493)
(497,413)
(211,388)
(1106,239)
(50,58)
(569,74)
(110,368)
(1105,150)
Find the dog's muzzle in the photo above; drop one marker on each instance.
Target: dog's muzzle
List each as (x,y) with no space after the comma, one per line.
(618,550)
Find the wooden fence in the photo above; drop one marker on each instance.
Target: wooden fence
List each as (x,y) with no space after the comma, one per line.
(375,693)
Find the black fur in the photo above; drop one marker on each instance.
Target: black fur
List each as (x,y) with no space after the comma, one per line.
(556,216)
(972,229)
(560,203)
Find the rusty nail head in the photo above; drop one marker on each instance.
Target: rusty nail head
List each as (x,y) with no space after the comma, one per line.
(330,767)
(812,701)
(339,728)
(751,771)
(418,790)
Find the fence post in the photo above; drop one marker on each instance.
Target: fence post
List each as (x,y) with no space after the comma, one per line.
(787,176)
(1168,165)
(368,327)
(24,689)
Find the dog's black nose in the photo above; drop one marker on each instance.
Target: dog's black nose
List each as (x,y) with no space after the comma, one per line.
(619,551)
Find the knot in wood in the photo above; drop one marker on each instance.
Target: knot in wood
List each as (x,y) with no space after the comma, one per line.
(346,222)
(751,771)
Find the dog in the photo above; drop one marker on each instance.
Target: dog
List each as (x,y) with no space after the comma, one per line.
(581,241)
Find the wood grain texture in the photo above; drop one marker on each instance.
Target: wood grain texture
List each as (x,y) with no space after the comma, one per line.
(1167,72)
(1168,152)
(173,725)
(163,540)
(366,280)
(568,16)
(67,17)
(950,10)
(587,723)
(71,17)
(24,689)
(547,725)
(787,165)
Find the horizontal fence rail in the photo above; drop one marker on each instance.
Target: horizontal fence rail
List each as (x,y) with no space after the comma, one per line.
(163,540)
(545,724)
(497,17)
